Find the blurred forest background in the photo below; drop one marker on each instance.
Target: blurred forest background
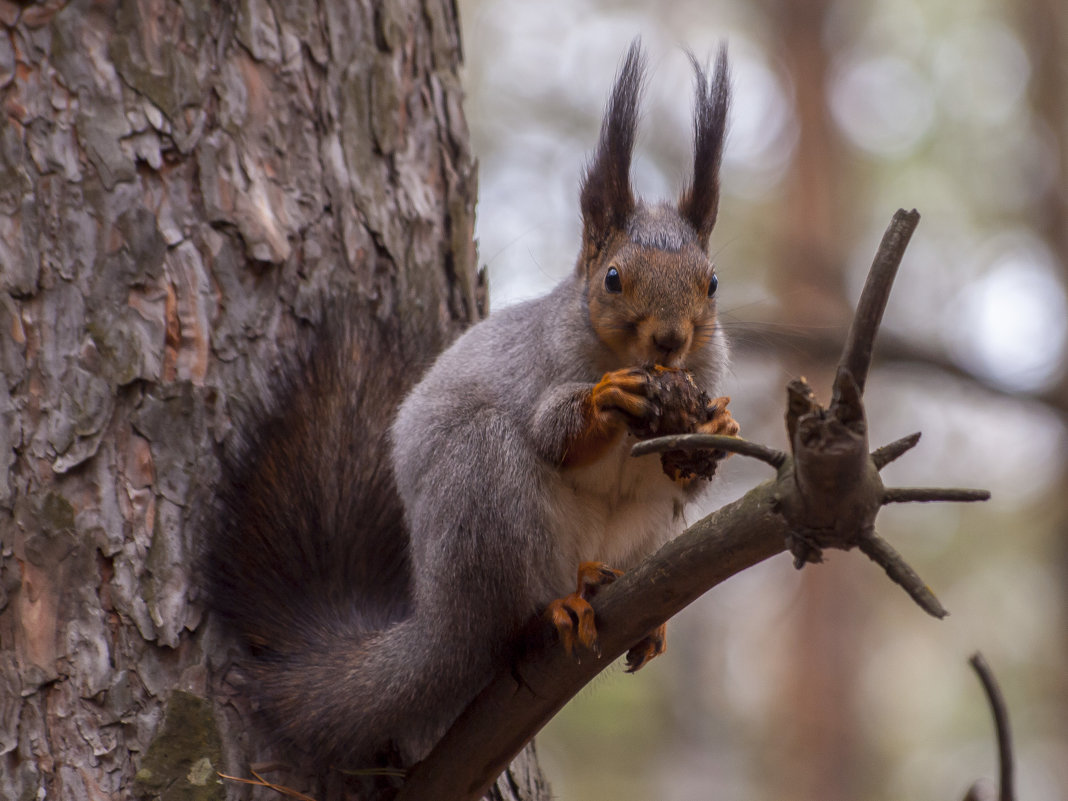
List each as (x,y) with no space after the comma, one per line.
(828,683)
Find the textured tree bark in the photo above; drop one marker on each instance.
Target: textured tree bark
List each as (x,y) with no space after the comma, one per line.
(181,184)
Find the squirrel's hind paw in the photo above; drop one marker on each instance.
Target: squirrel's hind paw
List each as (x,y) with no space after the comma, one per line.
(594,575)
(572,615)
(649,648)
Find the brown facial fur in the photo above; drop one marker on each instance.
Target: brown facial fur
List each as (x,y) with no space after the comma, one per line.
(663,313)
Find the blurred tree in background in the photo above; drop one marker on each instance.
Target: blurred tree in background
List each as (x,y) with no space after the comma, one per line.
(828,683)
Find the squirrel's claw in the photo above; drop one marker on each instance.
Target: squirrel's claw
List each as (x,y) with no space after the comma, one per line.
(572,615)
(649,648)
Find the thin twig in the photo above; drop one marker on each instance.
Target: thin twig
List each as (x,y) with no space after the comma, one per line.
(259,781)
(710,442)
(901,573)
(1006,765)
(856,356)
(881,457)
(925,494)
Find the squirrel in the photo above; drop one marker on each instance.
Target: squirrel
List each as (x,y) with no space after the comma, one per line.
(375,597)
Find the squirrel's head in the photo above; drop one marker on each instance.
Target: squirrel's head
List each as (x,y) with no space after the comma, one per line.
(649,283)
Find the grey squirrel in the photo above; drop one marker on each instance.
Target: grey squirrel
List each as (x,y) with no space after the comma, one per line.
(375,599)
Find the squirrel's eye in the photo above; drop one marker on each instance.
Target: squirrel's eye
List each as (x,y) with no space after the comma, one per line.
(612,282)
(712,286)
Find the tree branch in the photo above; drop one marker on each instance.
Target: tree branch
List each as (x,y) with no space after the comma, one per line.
(881,457)
(856,357)
(826,493)
(1000,710)
(901,573)
(710,442)
(927,494)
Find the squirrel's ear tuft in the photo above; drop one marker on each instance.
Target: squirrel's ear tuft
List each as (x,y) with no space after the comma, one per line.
(700,202)
(606,197)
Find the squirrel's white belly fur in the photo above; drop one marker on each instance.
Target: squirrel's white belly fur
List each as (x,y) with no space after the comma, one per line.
(616,510)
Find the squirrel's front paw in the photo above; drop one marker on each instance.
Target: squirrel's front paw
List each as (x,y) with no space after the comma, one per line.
(682,407)
(720,420)
(625,396)
(621,401)
(572,615)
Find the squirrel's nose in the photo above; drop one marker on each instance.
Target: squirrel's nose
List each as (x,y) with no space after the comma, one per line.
(669,342)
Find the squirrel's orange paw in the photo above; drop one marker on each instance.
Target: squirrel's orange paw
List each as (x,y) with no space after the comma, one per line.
(572,615)
(721,421)
(625,392)
(649,648)
(594,575)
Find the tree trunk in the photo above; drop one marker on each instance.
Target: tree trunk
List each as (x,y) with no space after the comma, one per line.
(813,751)
(181,183)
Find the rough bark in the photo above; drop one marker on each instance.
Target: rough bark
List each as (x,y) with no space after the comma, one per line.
(182,183)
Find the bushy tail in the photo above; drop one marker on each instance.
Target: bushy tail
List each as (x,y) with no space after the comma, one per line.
(306,558)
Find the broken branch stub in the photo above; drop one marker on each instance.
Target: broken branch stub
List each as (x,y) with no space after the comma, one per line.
(838,491)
